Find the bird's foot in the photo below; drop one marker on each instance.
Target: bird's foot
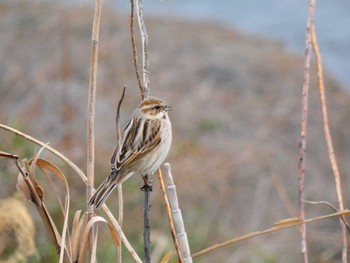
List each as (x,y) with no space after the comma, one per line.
(146,184)
(147,187)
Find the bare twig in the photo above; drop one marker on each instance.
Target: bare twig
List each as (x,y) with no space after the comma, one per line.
(120,187)
(328,138)
(145,92)
(144,41)
(91,117)
(334,209)
(282,224)
(302,145)
(133,45)
(147,223)
(170,218)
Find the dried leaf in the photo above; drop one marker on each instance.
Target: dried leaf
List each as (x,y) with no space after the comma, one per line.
(167,256)
(114,235)
(77,233)
(85,238)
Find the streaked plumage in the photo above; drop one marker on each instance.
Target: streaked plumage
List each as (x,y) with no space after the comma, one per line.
(142,148)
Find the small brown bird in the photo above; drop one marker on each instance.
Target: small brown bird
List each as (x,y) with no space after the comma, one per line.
(142,148)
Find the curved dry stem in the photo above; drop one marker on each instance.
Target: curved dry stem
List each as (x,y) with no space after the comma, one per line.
(282,224)
(133,45)
(328,138)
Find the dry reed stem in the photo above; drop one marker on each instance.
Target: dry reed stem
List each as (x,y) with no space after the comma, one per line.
(91,119)
(303,124)
(170,217)
(328,138)
(133,45)
(177,217)
(83,178)
(282,224)
(144,41)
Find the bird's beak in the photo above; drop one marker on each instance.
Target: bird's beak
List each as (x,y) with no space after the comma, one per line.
(168,108)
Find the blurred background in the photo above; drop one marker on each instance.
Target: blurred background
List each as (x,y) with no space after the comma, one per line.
(232,70)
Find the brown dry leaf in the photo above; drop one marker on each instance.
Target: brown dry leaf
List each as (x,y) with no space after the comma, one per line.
(47,165)
(85,237)
(114,235)
(167,256)
(77,234)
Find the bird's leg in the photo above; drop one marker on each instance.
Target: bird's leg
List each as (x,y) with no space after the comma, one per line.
(147,186)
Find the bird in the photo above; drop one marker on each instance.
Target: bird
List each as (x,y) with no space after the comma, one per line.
(142,148)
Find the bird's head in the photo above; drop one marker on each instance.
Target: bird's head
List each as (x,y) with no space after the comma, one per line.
(154,108)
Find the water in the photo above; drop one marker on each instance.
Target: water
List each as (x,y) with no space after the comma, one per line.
(284,20)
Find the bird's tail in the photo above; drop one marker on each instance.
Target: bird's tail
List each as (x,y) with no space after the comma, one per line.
(102,192)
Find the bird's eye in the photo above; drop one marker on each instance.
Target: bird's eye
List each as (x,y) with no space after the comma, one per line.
(157,107)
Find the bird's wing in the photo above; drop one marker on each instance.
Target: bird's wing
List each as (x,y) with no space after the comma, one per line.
(139,137)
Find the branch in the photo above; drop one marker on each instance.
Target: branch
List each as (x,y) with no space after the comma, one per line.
(302,145)
(328,138)
(145,92)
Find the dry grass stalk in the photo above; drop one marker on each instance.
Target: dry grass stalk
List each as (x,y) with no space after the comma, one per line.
(91,116)
(133,45)
(170,218)
(302,145)
(177,217)
(282,224)
(144,41)
(328,138)
(333,208)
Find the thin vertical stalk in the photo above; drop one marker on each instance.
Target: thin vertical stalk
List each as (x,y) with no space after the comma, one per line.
(147,224)
(133,45)
(302,145)
(91,116)
(328,138)
(144,41)
(145,92)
